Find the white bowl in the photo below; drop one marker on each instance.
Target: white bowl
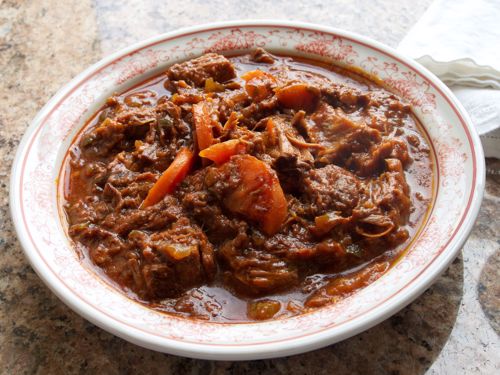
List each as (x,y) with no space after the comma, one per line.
(459,183)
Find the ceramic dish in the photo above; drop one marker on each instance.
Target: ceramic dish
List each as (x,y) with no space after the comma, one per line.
(459,181)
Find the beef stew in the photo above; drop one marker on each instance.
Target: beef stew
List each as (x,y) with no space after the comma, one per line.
(249,187)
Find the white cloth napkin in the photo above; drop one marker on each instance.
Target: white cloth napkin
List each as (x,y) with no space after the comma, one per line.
(459,41)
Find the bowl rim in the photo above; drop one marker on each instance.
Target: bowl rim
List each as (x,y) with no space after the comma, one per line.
(272,349)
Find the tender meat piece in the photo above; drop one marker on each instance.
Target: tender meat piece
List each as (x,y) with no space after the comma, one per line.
(299,250)
(372,161)
(281,135)
(331,125)
(289,161)
(388,194)
(357,142)
(87,210)
(104,139)
(136,119)
(125,188)
(258,110)
(255,141)
(260,55)
(154,156)
(232,101)
(175,260)
(196,71)
(349,99)
(344,140)
(91,175)
(371,247)
(206,210)
(171,130)
(118,130)
(155,217)
(166,133)
(142,128)
(388,102)
(122,175)
(331,188)
(291,170)
(254,272)
(376,108)
(385,208)
(103,245)
(334,92)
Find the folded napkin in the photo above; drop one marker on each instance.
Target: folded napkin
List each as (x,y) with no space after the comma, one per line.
(459,41)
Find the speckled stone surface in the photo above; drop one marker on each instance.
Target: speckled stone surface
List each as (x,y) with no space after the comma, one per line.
(452,328)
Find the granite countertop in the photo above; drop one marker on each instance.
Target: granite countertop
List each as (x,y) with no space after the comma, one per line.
(453,328)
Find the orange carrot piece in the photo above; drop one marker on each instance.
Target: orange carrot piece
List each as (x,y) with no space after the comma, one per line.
(272,138)
(220,153)
(203,125)
(278,211)
(259,195)
(247,76)
(173,175)
(258,84)
(298,96)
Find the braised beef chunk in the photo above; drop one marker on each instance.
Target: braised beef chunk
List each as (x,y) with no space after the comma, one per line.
(197,71)
(104,138)
(102,244)
(179,258)
(262,56)
(247,188)
(389,193)
(331,188)
(252,271)
(151,218)
(202,203)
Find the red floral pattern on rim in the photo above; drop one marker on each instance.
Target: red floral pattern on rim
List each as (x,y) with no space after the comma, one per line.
(38,195)
(406,83)
(329,46)
(236,40)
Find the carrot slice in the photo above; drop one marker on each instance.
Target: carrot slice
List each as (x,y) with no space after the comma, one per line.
(203,125)
(272,137)
(298,96)
(173,175)
(259,195)
(278,212)
(247,76)
(231,123)
(220,153)
(258,84)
